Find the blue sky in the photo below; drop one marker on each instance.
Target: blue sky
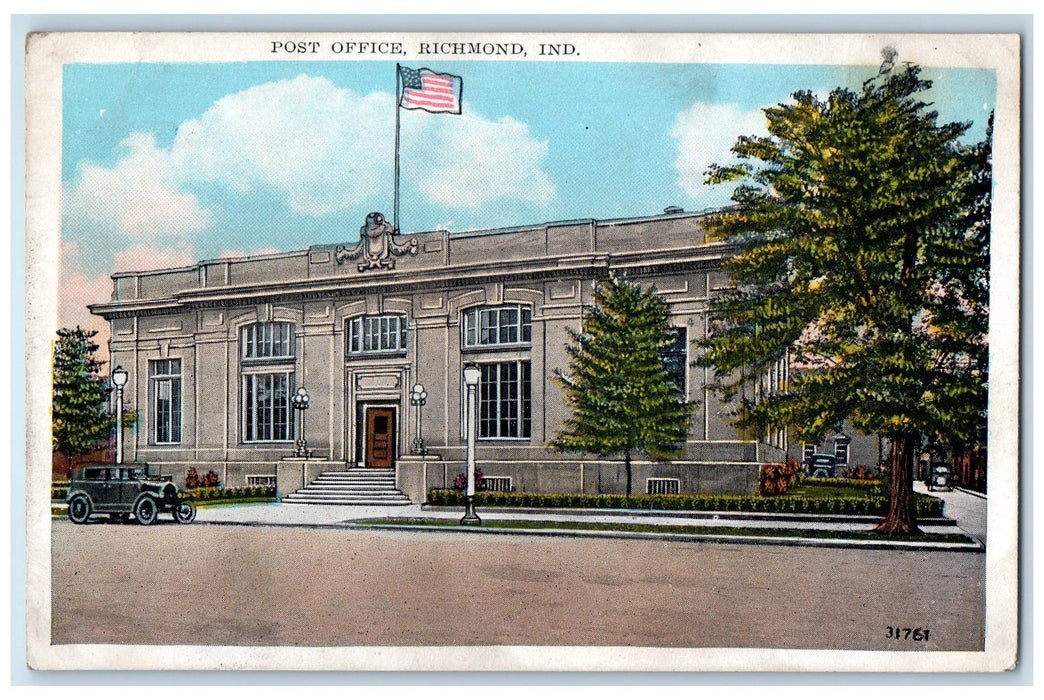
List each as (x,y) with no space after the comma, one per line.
(167,164)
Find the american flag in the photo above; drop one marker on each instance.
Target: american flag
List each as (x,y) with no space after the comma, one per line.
(433,92)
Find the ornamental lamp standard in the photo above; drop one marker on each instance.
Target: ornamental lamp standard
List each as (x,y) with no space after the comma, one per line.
(418,397)
(471,380)
(300,403)
(119,378)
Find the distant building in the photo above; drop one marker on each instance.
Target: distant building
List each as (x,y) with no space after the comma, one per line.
(217,350)
(849,447)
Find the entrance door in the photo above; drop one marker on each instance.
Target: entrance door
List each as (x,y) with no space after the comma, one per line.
(380,438)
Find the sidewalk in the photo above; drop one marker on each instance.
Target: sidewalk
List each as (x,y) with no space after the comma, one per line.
(295,515)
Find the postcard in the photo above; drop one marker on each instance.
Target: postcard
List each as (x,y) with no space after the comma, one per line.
(542,352)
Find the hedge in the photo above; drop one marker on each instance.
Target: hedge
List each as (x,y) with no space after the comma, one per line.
(213,493)
(60,489)
(924,506)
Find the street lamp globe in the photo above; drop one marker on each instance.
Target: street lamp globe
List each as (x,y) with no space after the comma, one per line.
(471,374)
(119,380)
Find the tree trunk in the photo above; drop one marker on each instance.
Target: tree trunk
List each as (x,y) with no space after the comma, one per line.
(901,519)
(627,468)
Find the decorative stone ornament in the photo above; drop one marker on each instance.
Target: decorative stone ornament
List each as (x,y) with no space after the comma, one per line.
(376,245)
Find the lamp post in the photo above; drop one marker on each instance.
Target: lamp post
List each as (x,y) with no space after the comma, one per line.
(300,404)
(471,380)
(418,397)
(119,378)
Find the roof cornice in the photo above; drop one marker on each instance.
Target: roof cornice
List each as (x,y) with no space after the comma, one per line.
(584,265)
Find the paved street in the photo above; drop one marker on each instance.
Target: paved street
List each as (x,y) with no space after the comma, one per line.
(214,583)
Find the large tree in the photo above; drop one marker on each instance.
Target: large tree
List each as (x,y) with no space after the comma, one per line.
(858,257)
(80,419)
(618,384)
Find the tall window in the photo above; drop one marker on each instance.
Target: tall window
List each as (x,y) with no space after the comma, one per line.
(841,445)
(505,406)
(165,394)
(267,341)
(491,326)
(267,413)
(675,357)
(267,351)
(368,334)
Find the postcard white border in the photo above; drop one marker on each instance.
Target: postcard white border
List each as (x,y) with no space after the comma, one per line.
(43,188)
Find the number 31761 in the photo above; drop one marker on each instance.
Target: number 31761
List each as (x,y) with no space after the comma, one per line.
(903,633)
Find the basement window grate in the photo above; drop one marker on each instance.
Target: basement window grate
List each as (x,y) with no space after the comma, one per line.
(260,480)
(497,483)
(662,487)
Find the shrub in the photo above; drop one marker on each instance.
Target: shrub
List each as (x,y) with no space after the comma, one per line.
(460,482)
(860,473)
(192,479)
(775,478)
(210,493)
(925,506)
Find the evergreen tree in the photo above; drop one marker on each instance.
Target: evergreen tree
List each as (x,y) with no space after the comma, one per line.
(857,257)
(618,385)
(79,416)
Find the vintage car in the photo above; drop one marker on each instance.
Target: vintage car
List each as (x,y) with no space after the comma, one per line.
(940,477)
(821,466)
(123,490)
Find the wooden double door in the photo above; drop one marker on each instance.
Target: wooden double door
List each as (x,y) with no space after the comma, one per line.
(379,437)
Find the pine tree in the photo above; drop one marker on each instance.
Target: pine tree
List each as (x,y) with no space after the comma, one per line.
(79,416)
(618,385)
(857,258)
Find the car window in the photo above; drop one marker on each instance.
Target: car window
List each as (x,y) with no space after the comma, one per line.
(93,474)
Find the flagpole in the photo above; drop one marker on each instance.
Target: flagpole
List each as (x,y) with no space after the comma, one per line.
(395,212)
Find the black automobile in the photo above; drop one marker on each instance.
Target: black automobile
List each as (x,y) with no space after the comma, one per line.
(124,490)
(821,466)
(940,477)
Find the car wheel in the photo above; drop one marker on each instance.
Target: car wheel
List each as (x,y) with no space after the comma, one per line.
(79,509)
(184,512)
(146,511)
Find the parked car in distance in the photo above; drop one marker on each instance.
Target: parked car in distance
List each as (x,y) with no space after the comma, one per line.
(940,477)
(123,490)
(821,466)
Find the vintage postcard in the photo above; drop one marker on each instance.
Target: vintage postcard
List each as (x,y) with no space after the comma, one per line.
(554,352)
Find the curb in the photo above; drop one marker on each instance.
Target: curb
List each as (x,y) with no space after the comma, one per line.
(694,514)
(837,543)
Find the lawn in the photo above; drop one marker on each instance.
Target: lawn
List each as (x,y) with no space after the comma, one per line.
(490,524)
(829,488)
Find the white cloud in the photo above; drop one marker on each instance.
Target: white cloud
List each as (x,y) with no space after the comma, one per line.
(138,197)
(705,134)
(322,148)
(318,148)
(469,162)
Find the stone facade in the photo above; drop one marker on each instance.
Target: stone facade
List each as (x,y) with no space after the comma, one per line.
(214,351)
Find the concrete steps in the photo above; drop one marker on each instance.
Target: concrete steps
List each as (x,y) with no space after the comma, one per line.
(355,487)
